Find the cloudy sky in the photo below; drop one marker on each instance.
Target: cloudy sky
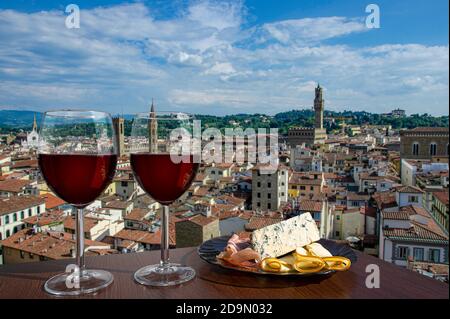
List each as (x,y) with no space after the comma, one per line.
(224,57)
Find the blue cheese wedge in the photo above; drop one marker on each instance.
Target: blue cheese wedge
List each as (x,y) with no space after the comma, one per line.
(284,237)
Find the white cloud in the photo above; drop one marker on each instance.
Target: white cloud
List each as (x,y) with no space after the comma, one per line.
(208,55)
(311,29)
(221,68)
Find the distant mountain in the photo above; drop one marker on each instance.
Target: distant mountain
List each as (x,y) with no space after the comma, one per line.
(14,120)
(18,119)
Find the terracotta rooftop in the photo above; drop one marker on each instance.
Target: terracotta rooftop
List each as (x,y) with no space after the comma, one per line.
(117,204)
(14,185)
(52,245)
(416,232)
(385,199)
(52,201)
(146,237)
(409,189)
(89,223)
(202,220)
(33,163)
(257,222)
(310,206)
(357,197)
(137,214)
(46,218)
(16,203)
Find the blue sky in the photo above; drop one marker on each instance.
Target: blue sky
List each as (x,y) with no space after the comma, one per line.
(224,57)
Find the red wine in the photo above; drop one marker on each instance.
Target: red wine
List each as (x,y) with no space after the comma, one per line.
(76,178)
(161,178)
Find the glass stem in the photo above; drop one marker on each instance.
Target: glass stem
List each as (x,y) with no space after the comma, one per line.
(79,231)
(165,236)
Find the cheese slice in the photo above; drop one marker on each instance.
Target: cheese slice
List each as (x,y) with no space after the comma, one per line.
(284,237)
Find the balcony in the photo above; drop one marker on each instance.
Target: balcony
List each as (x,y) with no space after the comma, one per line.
(26,281)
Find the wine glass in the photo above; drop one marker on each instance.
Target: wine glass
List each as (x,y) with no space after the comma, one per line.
(165,161)
(77,158)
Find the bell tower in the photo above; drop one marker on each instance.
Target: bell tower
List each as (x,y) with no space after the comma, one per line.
(318,108)
(153,130)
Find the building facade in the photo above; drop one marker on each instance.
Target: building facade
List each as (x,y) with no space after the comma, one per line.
(119,128)
(269,190)
(424,143)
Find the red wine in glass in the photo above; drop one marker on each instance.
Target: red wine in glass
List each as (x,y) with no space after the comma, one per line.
(161,178)
(77,178)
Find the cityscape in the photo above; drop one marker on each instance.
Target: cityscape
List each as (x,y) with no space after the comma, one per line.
(232,150)
(383,191)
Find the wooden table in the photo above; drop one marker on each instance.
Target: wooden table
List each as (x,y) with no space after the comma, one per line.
(26,280)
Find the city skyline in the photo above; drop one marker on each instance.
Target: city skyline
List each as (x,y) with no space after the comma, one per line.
(229,57)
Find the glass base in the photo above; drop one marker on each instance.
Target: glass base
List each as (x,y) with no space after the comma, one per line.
(66,284)
(162,276)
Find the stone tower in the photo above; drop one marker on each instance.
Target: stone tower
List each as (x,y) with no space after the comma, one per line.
(34,124)
(318,108)
(119,129)
(153,130)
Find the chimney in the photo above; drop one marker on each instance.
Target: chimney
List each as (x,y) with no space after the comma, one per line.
(207,211)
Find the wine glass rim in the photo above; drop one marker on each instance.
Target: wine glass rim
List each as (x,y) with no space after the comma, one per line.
(75,112)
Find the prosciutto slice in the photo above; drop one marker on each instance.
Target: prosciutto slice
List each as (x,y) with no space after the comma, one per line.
(239,253)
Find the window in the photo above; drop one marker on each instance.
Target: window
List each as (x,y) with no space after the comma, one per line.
(259,184)
(269,206)
(415,149)
(282,193)
(6,219)
(15,230)
(14,217)
(29,212)
(311,188)
(8,233)
(39,209)
(22,254)
(282,172)
(338,217)
(22,215)
(302,188)
(213,172)
(337,233)
(1,236)
(258,195)
(434,255)
(269,195)
(418,254)
(433,148)
(269,185)
(413,199)
(402,252)
(124,184)
(258,204)
(31,256)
